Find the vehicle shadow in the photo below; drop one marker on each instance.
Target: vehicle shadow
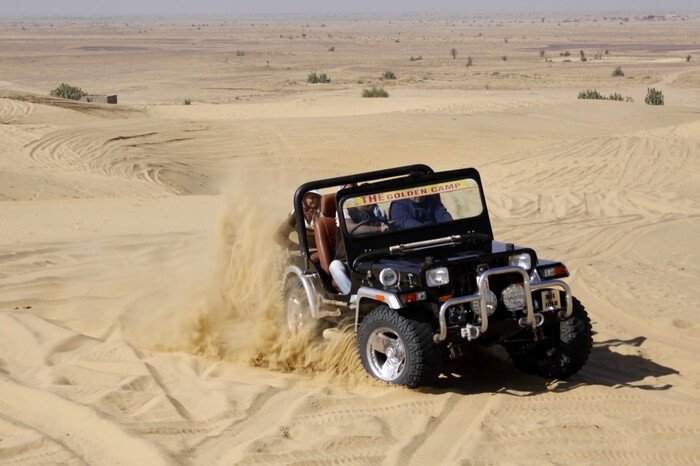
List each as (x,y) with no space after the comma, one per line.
(490,370)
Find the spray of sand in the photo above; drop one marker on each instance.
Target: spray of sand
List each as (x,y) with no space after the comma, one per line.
(233,311)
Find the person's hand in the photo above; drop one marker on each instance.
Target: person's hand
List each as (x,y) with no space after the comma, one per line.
(383,227)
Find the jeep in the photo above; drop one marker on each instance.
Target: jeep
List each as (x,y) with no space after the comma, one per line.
(432,281)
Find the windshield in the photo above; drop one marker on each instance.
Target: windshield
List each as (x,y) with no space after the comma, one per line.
(413,207)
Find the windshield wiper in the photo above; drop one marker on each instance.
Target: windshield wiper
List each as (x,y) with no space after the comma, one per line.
(452,240)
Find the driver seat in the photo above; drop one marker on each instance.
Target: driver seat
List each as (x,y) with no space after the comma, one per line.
(325,235)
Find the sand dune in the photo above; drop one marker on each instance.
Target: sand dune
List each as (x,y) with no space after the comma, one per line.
(139,306)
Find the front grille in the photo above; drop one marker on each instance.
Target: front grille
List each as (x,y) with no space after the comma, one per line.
(463,276)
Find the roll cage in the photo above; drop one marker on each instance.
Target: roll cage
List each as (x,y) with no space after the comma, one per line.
(405,174)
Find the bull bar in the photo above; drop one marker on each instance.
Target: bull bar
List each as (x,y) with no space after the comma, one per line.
(473,331)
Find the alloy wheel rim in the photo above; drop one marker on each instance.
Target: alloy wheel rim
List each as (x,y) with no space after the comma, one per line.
(295,314)
(386,354)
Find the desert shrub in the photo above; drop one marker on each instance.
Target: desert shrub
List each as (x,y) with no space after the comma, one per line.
(375,92)
(187,102)
(470,62)
(321,78)
(331,49)
(240,53)
(618,72)
(565,53)
(66,91)
(591,94)
(583,55)
(654,97)
(453,52)
(419,57)
(388,74)
(687,59)
(504,57)
(594,94)
(542,53)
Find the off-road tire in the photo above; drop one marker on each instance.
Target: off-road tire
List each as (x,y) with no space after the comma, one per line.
(421,356)
(296,307)
(562,354)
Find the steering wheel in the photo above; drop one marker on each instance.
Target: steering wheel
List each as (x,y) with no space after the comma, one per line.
(368,220)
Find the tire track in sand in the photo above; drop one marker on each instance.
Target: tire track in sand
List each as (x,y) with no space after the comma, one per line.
(90,436)
(13,110)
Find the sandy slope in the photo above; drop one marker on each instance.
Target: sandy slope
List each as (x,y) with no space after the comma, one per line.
(139,313)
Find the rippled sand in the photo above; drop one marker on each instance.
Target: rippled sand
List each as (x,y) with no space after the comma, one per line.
(139,306)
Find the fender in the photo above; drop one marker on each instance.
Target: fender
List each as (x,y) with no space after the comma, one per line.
(373,294)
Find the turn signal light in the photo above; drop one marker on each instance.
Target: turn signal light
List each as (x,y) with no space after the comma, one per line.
(553,271)
(413,297)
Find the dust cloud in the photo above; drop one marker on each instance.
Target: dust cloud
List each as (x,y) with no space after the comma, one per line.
(232,310)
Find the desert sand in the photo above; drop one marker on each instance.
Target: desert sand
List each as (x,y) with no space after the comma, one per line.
(140,313)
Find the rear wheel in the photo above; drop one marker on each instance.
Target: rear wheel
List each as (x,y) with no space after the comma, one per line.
(398,349)
(296,306)
(562,352)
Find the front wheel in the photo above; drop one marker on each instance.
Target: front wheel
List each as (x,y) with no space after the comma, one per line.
(397,349)
(562,352)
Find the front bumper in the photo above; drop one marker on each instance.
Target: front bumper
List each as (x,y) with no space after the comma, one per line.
(531,319)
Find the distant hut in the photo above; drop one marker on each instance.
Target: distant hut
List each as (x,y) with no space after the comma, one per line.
(102,99)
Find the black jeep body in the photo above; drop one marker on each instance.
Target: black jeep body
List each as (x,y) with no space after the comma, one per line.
(423,292)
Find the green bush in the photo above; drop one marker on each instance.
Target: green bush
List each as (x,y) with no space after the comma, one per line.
(618,72)
(591,94)
(67,91)
(314,78)
(654,97)
(375,92)
(594,94)
(389,75)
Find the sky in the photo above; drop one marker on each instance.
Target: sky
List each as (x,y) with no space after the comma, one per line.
(323,7)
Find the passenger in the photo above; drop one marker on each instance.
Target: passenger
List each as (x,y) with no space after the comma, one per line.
(311,205)
(418,211)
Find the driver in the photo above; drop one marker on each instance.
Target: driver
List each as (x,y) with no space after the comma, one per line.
(368,218)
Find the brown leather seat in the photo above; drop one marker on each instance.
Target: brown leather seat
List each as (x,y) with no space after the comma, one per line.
(328,205)
(324,233)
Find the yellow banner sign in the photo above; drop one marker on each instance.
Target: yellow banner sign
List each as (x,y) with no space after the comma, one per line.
(418,191)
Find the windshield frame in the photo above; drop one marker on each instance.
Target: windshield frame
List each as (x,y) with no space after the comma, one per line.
(356,245)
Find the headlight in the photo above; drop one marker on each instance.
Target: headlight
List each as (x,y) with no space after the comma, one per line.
(514,297)
(524,261)
(491,302)
(437,277)
(388,277)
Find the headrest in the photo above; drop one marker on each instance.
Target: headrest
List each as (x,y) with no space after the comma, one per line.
(328,205)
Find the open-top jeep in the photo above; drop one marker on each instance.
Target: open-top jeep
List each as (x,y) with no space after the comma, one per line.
(432,281)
